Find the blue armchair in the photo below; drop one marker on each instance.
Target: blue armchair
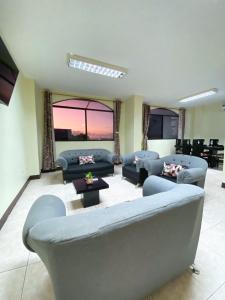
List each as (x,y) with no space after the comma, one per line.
(135,171)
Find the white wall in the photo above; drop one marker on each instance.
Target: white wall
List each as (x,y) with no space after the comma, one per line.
(19,143)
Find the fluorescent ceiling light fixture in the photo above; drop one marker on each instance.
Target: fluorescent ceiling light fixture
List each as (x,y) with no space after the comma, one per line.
(199,96)
(95,66)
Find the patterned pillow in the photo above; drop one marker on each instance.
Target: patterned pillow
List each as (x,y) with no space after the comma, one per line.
(171,170)
(88,159)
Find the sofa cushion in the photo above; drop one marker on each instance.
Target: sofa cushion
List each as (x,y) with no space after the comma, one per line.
(98,166)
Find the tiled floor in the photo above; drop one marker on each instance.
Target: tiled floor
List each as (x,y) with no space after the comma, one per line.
(23,276)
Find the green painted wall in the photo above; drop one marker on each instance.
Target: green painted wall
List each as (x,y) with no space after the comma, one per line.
(19,142)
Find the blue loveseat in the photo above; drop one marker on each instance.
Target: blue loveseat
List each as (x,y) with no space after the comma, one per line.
(69,161)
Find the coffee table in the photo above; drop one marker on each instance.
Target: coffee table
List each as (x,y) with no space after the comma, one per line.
(90,191)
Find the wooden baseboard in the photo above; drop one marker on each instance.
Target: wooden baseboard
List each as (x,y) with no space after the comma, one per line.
(32,177)
(223,185)
(13,203)
(53,170)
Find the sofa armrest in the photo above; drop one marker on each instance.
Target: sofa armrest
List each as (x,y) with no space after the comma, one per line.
(154,167)
(110,157)
(190,175)
(154,185)
(62,162)
(45,207)
(128,159)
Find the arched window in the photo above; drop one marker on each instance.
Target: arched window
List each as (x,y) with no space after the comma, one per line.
(82,120)
(163,124)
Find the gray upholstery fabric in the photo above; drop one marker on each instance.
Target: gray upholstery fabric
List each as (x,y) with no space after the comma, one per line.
(101,165)
(154,185)
(72,156)
(144,154)
(195,172)
(44,208)
(122,252)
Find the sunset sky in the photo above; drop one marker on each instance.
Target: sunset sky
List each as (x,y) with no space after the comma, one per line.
(99,123)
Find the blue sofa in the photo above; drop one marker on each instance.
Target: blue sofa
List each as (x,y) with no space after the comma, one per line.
(122,252)
(69,162)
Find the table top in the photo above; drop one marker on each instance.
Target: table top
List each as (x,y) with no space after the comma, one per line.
(82,187)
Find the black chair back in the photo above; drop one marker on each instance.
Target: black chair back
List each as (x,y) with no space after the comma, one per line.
(213,142)
(186,142)
(199,142)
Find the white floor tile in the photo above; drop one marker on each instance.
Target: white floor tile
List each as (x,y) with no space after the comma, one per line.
(11,284)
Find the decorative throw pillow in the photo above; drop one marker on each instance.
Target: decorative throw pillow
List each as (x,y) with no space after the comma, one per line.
(171,170)
(88,159)
(136,159)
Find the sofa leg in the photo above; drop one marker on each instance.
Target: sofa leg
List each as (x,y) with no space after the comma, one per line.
(64,181)
(123,178)
(194,269)
(137,185)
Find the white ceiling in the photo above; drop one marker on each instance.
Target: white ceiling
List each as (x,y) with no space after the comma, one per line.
(172,48)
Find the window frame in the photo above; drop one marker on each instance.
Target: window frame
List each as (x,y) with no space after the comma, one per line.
(172,114)
(85,109)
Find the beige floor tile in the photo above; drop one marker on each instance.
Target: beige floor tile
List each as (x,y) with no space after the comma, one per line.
(214,239)
(213,212)
(13,252)
(11,284)
(37,285)
(33,258)
(219,294)
(212,269)
(185,287)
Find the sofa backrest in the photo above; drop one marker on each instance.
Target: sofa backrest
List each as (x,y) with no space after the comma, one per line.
(145,154)
(186,160)
(72,156)
(124,251)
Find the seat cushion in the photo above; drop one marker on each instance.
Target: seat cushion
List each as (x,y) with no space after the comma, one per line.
(80,169)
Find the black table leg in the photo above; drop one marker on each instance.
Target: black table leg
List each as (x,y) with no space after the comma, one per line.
(90,198)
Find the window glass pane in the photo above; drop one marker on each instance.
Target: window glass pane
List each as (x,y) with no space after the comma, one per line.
(99,125)
(97,105)
(170,127)
(155,127)
(73,103)
(69,124)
